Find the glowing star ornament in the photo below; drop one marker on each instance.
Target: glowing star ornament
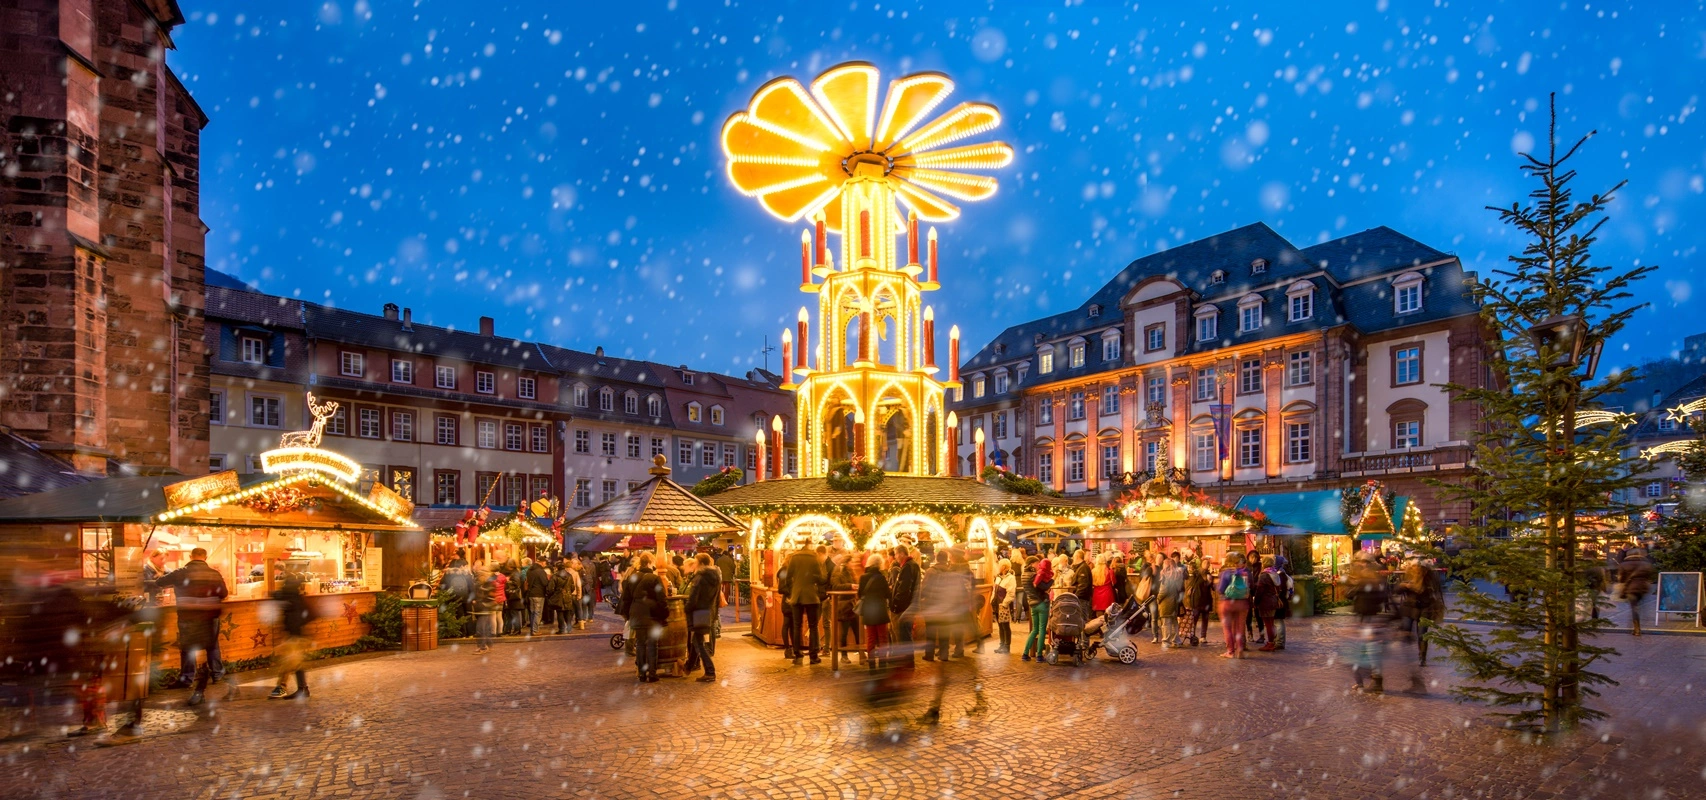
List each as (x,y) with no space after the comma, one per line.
(794,149)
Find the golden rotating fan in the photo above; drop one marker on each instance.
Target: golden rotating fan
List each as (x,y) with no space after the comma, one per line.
(793,149)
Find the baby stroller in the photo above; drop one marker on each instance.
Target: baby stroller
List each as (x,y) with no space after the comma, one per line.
(1116,627)
(1066,629)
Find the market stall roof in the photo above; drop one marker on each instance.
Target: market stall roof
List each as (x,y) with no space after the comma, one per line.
(941,495)
(174,498)
(659,505)
(131,499)
(1313,512)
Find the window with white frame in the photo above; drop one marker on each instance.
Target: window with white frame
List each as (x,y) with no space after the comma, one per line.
(403,426)
(1045,412)
(1298,442)
(1045,467)
(583,492)
(716,415)
(607,444)
(1249,376)
(658,445)
(1111,460)
(607,491)
(684,452)
(515,436)
(1208,326)
(1204,453)
(730,454)
(1205,383)
(751,458)
(216,407)
(1407,365)
(1249,317)
(1074,464)
(630,403)
(1302,305)
(1075,355)
(1258,266)
(694,412)
(1001,383)
(977,386)
(1155,389)
(1407,433)
(539,438)
(1407,295)
(634,446)
(215,462)
(444,377)
(1152,457)
(606,399)
(580,395)
(338,423)
(1666,425)
(583,441)
(254,350)
(445,430)
(1045,362)
(1155,337)
(1075,407)
(485,382)
(526,388)
(1110,400)
(1249,447)
(402,370)
(1300,368)
(351,364)
(264,411)
(1217,277)
(367,423)
(486,434)
(999,428)
(1110,348)
(708,454)
(654,406)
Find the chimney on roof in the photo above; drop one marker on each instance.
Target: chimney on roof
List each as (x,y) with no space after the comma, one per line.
(408,319)
(391,311)
(599,351)
(1658,400)
(486,324)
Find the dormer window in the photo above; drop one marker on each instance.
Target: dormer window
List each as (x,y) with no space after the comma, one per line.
(606,399)
(1250,313)
(977,386)
(694,412)
(716,415)
(1208,323)
(687,378)
(1407,293)
(1258,266)
(1075,354)
(1001,381)
(1300,301)
(654,406)
(1045,360)
(254,350)
(1095,310)
(1000,349)
(1217,277)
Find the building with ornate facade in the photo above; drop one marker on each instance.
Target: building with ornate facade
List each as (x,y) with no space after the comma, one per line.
(101,240)
(1248,364)
(448,417)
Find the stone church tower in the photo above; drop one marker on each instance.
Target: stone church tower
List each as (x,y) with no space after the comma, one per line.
(101,239)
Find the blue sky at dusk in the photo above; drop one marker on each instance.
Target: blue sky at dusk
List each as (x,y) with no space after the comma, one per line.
(556,165)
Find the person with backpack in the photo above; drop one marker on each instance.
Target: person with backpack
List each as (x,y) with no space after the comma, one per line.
(1234,591)
(1267,599)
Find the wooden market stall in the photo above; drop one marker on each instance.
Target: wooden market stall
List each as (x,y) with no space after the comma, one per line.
(306,513)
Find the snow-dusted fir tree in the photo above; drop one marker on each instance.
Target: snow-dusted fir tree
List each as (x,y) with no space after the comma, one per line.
(1683,532)
(1549,312)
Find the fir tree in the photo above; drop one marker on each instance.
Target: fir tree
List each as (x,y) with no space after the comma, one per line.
(1682,533)
(1537,467)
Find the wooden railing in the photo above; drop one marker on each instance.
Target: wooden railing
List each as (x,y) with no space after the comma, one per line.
(1408,460)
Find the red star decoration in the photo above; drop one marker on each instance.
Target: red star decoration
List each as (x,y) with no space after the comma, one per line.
(259,639)
(350,614)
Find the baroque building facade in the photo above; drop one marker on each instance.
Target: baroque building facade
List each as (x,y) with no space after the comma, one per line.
(1249,365)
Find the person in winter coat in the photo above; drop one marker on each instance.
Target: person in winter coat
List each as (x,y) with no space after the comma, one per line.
(201,592)
(1083,579)
(807,582)
(1037,594)
(1144,593)
(937,604)
(294,615)
(565,595)
(703,597)
(515,604)
(1288,595)
(645,604)
(1119,578)
(946,602)
(1006,596)
(1101,589)
(1169,592)
(846,611)
(1266,599)
(538,586)
(874,597)
(1636,575)
(1197,601)
(1597,578)
(1234,590)
(1421,604)
(902,595)
(487,605)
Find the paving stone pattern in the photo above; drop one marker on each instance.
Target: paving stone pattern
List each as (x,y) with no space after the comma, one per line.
(564,718)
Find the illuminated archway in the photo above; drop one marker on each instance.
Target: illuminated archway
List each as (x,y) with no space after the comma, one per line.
(798,528)
(980,532)
(884,536)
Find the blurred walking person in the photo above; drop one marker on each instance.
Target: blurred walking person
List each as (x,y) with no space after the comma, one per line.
(201,593)
(874,596)
(1636,575)
(1368,600)
(1234,591)
(902,596)
(294,615)
(487,605)
(1169,596)
(947,602)
(703,598)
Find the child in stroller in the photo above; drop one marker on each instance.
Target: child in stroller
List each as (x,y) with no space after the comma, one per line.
(1115,629)
(1066,629)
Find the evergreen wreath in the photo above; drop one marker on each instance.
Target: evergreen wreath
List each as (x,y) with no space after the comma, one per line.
(1014,483)
(854,476)
(727,478)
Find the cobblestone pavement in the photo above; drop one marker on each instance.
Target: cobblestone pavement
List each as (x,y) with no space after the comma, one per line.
(565,719)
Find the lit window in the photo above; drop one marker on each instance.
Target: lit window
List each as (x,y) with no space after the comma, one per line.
(1045,467)
(486,434)
(1297,442)
(693,412)
(1250,447)
(1300,368)
(716,415)
(1407,433)
(977,387)
(1407,365)
(444,377)
(254,350)
(525,388)
(1203,449)
(402,370)
(607,444)
(1407,298)
(350,364)
(1045,362)
(485,382)
(583,442)
(1075,355)
(1250,376)
(1075,465)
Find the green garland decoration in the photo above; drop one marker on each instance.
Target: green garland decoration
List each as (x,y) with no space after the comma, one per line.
(716,482)
(1014,483)
(937,510)
(857,475)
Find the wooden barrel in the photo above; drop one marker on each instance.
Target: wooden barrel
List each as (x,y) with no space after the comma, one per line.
(420,627)
(672,648)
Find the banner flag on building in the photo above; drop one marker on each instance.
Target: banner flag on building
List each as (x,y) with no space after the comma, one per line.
(1221,413)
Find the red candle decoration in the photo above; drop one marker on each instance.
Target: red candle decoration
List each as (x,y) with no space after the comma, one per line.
(954,354)
(950,438)
(859,435)
(800,354)
(912,237)
(932,255)
(865,233)
(758,447)
(822,242)
(977,437)
(787,352)
(805,257)
(929,336)
(778,461)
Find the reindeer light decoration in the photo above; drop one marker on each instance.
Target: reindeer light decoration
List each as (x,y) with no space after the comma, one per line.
(311,437)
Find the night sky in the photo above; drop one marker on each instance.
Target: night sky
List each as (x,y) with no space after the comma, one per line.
(556,164)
